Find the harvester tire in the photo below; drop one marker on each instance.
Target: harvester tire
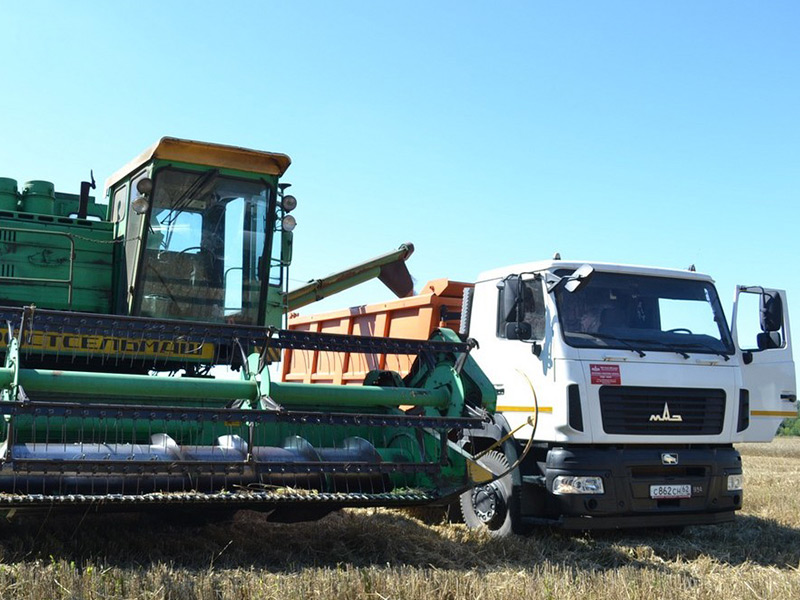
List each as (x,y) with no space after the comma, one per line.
(489,506)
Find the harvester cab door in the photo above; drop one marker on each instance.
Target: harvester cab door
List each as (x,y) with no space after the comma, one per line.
(763,341)
(135,232)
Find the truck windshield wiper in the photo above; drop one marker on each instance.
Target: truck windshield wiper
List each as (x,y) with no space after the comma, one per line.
(707,347)
(608,336)
(669,347)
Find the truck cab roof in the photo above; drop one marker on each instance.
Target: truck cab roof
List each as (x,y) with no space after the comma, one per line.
(553,264)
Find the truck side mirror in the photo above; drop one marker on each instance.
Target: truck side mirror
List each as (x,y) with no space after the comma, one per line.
(510,290)
(771,312)
(518,331)
(768,340)
(511,295)
(579,278)
(572,283)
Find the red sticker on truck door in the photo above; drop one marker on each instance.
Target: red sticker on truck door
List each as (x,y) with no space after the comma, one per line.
(605,374)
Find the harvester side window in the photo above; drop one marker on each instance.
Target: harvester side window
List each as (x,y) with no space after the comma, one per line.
(134,230)
(118,203)
(276,264)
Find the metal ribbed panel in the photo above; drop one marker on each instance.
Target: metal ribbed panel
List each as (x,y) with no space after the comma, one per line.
(635,410)
(234,499)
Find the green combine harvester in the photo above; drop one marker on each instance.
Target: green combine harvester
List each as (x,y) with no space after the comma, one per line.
(138,336)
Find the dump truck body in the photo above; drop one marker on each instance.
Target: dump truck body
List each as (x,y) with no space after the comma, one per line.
(635,417)
(437,305)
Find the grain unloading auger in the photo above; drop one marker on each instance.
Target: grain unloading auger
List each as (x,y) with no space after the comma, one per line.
(117,331)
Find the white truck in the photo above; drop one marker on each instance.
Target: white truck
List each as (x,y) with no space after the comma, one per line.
(636,385)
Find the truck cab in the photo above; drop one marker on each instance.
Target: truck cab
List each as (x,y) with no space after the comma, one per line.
(637,387)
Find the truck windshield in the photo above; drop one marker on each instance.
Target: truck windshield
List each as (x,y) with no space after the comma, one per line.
(204,256)
(637,312)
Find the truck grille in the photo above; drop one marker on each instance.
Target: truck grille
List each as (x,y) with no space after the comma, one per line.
(662,411)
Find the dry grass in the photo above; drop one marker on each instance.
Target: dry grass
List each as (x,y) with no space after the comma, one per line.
(381,554)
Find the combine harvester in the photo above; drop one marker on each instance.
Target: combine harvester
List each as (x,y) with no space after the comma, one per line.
(622,390)
(119,320)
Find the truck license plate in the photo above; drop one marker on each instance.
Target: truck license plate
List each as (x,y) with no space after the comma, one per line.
(658,492)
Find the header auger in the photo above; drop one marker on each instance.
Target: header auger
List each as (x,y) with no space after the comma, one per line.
(137,349)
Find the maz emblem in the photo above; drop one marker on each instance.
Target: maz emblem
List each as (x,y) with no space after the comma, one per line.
(665,416)
(669,458)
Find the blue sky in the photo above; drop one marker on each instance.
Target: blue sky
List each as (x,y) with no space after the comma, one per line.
(661,133)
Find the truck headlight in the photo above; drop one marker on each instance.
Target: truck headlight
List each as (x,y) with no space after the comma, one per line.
(568,484)
(735,482)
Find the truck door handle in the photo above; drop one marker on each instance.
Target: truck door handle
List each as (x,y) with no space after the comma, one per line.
(789,397)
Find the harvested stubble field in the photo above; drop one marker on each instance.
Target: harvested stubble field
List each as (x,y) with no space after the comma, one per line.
(380,554)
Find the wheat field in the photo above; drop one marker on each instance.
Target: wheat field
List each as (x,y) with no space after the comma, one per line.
(381,554)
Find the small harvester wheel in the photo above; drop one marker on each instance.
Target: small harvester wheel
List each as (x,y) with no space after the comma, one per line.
(488,506)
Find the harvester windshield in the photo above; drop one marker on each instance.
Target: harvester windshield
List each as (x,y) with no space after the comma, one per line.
(205,252)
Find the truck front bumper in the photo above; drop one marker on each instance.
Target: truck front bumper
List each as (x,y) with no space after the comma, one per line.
(629,476)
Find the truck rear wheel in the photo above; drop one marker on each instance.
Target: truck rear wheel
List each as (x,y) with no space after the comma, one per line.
(489,506)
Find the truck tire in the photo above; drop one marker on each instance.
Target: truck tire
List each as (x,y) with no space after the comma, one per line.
(489,506)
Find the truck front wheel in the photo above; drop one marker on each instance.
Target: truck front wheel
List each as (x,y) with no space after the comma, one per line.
(489,506)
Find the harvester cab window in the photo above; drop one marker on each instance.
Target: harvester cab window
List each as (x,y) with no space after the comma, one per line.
(184,234)
(207,235)
(119,203)
(244,227)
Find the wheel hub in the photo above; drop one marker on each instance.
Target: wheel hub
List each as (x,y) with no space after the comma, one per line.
(484,502)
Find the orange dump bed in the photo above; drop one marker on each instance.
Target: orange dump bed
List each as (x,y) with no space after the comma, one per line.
(437,305)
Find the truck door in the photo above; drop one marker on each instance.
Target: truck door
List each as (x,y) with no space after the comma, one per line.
(763,341)
(521,324)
